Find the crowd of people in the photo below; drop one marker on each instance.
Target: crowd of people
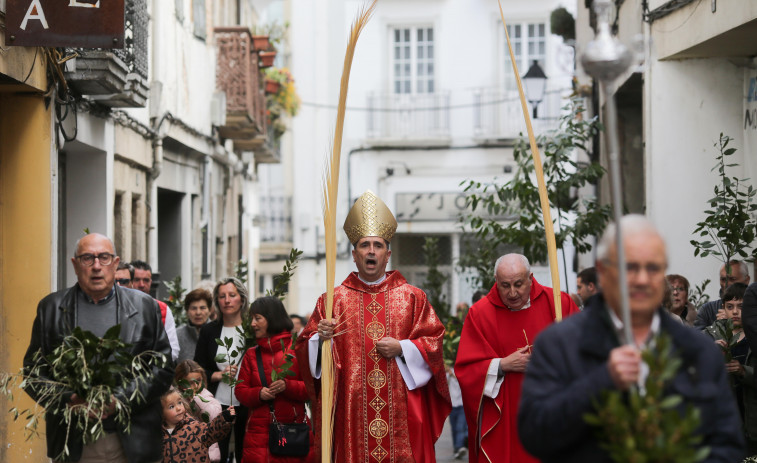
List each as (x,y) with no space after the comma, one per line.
(518,392)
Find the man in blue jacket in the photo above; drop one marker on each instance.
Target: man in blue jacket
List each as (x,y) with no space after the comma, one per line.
(574,361)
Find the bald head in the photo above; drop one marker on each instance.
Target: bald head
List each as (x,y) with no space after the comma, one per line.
(95,264)
(646,262)
(513,275)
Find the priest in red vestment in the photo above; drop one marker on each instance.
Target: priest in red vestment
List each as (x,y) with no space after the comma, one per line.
(391,396)
(494,350)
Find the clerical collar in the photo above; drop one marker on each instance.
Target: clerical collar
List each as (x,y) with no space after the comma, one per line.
(102,301)
(373,283)
(527,305)
(654,329)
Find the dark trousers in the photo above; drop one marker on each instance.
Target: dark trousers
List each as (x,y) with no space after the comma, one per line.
(459,427)
(239,428)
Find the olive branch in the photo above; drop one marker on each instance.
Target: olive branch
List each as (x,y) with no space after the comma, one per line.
(93,368)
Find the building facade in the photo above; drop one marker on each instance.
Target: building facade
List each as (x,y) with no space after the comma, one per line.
(695,79)
(432,103)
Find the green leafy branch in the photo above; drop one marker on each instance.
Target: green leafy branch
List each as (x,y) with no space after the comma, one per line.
(728,228)
(233,357)
(93,368)
(176,300)
(649,426)
(285,369)
(188,392)
(509,215)
(281,281)
(697,295)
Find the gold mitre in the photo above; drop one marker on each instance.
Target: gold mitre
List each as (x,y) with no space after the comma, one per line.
(369,216)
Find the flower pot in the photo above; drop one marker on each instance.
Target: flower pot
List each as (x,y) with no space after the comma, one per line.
(271,86)
(266,58)
(260,42)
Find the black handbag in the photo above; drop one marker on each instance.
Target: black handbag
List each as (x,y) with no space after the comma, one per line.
(284,439)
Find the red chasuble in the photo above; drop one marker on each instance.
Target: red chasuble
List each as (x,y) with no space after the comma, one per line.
(377,419)
(491,331)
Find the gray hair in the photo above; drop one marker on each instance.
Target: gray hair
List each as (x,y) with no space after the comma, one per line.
(630,225)
(241,289)
(78,242)
(741,265)
(524,261)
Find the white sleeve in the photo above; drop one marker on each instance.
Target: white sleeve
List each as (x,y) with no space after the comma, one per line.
(171,333)
(414,369)
(494,379)
(313,350)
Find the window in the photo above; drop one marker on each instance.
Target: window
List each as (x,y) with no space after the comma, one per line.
(413,60)
(529,43)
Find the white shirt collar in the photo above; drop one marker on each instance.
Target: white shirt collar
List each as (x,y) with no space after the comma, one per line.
(654,329)
(373,283)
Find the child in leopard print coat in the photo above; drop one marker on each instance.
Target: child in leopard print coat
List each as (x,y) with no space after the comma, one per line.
(186,440)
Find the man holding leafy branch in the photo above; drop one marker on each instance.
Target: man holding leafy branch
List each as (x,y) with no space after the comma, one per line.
(391,396)
(128,409)
(591,395)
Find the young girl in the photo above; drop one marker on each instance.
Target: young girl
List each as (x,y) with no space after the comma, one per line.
(185,439)
(192,382)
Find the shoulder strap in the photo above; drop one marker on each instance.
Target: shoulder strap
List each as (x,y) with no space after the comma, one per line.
(261,371)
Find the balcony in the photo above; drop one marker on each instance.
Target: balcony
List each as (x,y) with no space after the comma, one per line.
(118,77)
(405,118)
(238,75)
(498,114)
(275,226)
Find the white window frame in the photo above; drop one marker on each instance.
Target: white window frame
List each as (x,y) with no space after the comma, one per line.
(414,57)
(523,47)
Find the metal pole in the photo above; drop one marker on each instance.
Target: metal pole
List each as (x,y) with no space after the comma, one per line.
(606,59)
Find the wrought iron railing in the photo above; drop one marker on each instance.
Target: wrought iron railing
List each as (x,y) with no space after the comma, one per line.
(136,24)
(407,116)
(238,75)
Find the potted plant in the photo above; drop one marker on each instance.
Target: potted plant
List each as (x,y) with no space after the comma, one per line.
(271,86)
(266,59)
(260,42)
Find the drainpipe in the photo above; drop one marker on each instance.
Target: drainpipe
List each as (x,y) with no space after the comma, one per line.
(205,220)
(152,201)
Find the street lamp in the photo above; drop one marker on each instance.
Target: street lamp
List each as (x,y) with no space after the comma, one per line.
(536,82)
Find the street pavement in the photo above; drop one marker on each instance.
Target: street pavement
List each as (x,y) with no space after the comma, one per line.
(444,451)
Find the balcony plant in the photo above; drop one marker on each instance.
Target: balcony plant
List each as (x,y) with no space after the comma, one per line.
(284,101)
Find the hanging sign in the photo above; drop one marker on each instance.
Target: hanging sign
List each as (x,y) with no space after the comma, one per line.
(65,23)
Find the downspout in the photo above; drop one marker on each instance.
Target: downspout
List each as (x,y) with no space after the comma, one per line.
(152,202)
(205,220)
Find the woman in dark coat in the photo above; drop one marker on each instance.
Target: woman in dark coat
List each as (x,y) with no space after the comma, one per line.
(231,298)
(273,328)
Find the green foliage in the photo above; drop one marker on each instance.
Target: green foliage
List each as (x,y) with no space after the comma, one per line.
(562,23)
(188,392)
(697,296)
(176,300)
(728,229)
(451,341)
(518,200)
(94,369)
(242,270)
(281,281)
(650,427)
(435,279)
(233,357)
(723,329)
(285,369)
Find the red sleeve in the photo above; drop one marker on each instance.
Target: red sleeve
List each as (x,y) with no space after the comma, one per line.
(248,391)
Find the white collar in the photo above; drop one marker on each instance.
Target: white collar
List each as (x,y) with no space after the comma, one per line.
(373,283)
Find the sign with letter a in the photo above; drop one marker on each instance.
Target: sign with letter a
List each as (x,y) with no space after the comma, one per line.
(65,23)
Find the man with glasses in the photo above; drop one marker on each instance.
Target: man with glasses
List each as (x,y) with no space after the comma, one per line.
(738,272)
(125,275)
(143,282)
(574,361)
(96,304)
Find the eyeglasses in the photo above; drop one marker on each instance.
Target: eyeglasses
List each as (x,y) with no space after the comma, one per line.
(678,289)
(122,281)
(105,258)
(633,268)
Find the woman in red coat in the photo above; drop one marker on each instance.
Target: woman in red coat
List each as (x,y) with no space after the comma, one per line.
(273,328)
